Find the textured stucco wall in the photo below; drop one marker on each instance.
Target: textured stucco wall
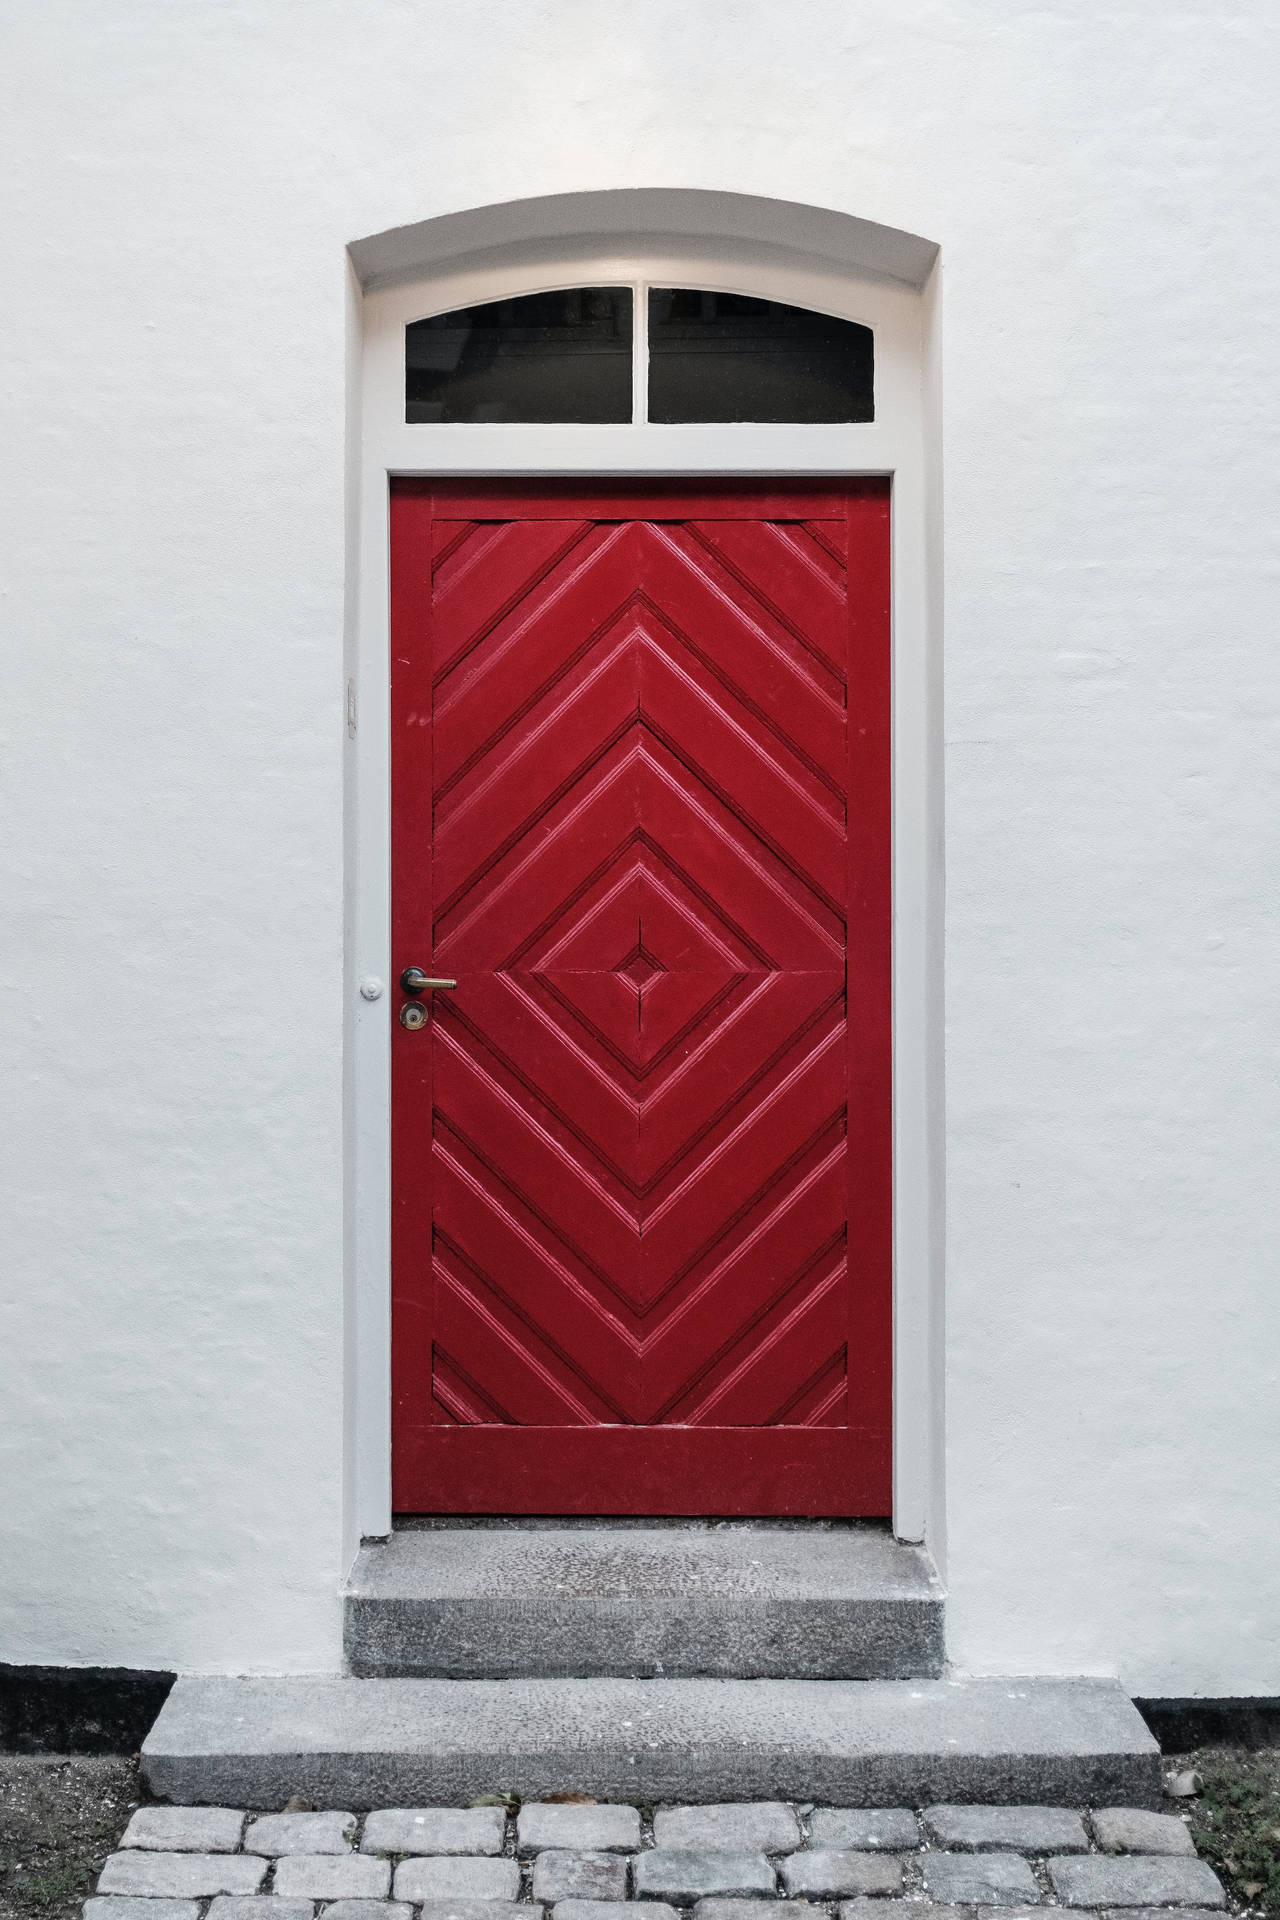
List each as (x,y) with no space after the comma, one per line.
(179,185)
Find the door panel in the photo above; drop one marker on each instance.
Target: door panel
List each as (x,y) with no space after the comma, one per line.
(641,1156)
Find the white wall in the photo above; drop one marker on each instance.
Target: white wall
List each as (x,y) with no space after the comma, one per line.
(180,185)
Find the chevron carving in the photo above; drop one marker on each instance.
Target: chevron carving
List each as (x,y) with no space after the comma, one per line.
(639,857)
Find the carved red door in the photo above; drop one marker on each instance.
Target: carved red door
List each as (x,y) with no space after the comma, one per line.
(641,1156)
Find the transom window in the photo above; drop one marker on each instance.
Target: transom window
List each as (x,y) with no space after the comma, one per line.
(577,355)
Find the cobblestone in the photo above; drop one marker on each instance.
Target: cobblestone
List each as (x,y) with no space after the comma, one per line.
(706,1863)
(1135,1880)
(765,1825)
(477,1910)
(865,1829)
(332,1876)
(1007,1829)
(603,1829)
(572,1874)
(979,1879)
(259,1906)
(184,1830)
(434,1830)
(182,1876)
(685,1874)
(277,1833)
(762,1909)
(1134,1830)
(1153,1913)
(917,1910)
(135,1907)
(825,1874)
(368,1910)
(457,1877)
(613,1910)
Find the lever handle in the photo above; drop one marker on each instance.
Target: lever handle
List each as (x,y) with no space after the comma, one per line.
(414,980)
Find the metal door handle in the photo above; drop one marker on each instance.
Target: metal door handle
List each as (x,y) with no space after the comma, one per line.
(414,980)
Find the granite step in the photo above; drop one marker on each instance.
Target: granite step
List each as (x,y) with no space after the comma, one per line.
(356,1743)
(818,1601)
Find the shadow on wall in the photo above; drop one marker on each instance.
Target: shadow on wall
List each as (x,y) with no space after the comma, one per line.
(78,1709)
(1182,1725)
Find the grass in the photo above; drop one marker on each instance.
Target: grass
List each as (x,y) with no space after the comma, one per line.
(1235,1822)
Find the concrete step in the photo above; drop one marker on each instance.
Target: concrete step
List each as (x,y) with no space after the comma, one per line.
(356,1744)
(817,1601)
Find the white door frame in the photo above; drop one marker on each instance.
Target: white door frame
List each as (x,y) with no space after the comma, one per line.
(894,445)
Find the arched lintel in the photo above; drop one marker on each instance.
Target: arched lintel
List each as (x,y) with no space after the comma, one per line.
(634,215)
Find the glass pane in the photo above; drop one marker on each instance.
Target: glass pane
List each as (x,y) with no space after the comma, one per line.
(545,356)
(725,356)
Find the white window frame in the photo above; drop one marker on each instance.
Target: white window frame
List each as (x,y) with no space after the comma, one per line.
(893,444)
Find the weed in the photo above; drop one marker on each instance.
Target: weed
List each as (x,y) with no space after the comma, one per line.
(1236,1822)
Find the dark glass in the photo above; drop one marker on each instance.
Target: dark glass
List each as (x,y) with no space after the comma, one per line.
(726,356)
(545,356)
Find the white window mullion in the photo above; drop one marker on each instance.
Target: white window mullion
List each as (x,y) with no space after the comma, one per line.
(640,355)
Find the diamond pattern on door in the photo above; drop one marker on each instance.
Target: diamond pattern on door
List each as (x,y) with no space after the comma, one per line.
(641,1155)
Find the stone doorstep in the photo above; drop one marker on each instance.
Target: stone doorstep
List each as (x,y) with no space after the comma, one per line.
(861,1743)
(744,1601)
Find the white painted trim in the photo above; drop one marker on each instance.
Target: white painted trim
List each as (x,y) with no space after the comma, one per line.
(893,444)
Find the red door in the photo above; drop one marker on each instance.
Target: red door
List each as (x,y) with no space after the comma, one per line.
(641,1157)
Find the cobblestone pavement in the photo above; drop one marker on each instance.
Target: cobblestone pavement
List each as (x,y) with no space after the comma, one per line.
(596,1862)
